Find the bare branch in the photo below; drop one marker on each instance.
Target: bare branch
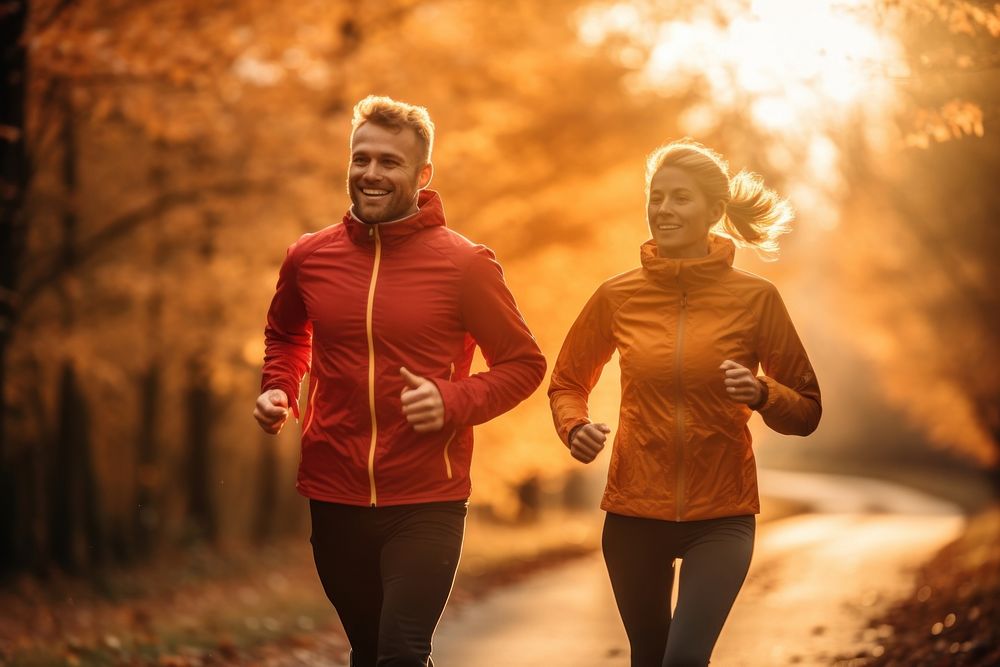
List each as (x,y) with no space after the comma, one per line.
(126,224)
(53,16)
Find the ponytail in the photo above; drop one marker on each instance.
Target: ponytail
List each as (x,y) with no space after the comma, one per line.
(755,214)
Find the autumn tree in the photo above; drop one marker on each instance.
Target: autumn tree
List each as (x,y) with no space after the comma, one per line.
(175,151)
(879,128)
(203,143)
(13,185)
(921,229)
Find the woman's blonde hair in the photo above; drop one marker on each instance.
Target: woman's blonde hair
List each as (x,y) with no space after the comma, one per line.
(754,215)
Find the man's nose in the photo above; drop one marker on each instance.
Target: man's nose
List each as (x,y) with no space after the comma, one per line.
(372,171)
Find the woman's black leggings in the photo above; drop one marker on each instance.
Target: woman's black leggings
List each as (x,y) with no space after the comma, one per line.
(388,572)
(640,557)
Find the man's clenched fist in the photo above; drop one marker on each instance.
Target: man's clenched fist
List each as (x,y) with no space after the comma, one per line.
(422,404)
(271,411)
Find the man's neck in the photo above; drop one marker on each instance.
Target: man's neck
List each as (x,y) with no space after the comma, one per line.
(383,222)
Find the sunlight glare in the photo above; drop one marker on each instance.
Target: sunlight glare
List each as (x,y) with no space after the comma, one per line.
(791,61)
(794,69)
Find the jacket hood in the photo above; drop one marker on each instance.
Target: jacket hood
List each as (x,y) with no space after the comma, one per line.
(430,213)
(707,269)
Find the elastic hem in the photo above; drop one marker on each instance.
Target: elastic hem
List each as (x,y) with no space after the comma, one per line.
(359,501)
(671,513)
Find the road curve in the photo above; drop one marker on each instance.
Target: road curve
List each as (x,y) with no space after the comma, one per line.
(815,580)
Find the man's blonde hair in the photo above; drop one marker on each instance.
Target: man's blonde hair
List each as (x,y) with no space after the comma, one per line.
(387,112)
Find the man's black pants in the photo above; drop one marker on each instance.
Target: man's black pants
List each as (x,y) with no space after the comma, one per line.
(388,572)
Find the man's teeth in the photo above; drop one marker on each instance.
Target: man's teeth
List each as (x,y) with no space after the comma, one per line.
(668,227)
(374,193)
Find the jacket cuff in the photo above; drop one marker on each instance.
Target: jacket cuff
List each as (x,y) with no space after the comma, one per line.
(773,389)
(293,397)
(450,397)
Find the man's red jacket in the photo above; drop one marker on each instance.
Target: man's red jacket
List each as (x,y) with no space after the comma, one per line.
(354,302)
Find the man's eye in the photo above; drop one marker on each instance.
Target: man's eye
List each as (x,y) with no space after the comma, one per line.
(360,160)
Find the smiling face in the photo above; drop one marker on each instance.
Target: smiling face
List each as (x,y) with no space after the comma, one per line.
(387,172)
(679,214)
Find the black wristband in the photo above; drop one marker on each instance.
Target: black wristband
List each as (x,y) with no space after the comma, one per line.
(765,392)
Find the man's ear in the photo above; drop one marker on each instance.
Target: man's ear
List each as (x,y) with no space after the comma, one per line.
(426,174)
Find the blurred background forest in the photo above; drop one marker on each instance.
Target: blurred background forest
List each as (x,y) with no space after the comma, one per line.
(159,156)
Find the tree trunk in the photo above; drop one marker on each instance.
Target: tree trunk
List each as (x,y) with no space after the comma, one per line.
(201,512)
(147,517)
(529,496)
(578,493)
(267,489)
(147,472)
(13,183)
(62,496)
(75,539)
(75,523)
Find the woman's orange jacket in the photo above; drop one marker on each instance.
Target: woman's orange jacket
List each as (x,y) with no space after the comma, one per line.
(682,451)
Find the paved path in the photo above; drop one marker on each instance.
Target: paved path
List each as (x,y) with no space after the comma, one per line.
(815,580)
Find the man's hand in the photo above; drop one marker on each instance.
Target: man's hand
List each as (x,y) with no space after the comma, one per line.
(741,385)
(271,411)
(588,441)
(422,404)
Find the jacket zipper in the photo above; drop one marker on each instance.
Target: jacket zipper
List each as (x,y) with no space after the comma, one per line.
(373,231)
(311,407)
(678,360)
(447,461)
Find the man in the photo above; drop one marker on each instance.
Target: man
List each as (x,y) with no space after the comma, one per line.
(385,310)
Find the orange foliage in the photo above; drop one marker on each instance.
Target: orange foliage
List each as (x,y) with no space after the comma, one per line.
(954,120)
(207,140)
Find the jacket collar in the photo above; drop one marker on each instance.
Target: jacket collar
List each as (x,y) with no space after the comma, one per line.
(689,272)
(430,213)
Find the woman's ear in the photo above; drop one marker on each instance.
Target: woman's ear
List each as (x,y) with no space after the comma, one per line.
(718,208)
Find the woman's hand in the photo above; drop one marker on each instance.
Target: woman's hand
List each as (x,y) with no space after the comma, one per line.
(588,441)
(741,385)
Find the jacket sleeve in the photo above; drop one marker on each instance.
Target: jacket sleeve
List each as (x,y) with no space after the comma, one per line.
(587,348)
(287,335)
(516,364)
(793,404)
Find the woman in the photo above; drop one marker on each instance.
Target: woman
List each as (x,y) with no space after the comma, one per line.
(690,331)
